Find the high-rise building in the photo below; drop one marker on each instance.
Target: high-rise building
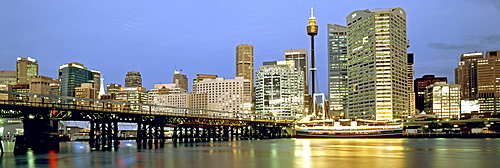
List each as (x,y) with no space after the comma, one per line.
(97,82)
(181,80)
(72,75)
(443,100)
(244,62)
(280,89)
(26,67)
(377,64)
(133,79)
(232,95)
(8,77)
(488,75)
(421,86)
(299,57)
(40,85)
(466,74)
(411,86)
(337,69)
(86,90)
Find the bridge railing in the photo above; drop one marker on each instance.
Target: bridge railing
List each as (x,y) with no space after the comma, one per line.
(117,106)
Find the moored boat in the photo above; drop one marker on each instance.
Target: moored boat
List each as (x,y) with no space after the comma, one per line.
(356,129)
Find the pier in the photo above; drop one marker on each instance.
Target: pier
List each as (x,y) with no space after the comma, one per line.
(40,122)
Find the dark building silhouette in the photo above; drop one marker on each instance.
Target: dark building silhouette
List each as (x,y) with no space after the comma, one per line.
(420,86)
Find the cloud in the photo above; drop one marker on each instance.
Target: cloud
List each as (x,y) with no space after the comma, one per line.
(444,46)
(494,38)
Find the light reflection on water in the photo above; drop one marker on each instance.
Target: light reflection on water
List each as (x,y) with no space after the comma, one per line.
(274,153)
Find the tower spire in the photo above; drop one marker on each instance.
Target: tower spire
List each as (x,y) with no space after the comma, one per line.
(312,12)
(312,30)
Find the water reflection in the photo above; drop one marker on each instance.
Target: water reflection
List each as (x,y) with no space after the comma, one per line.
(352,152)
(274,153)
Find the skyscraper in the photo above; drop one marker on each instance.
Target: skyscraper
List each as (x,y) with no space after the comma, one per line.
(488,73)
(26,67)
(181,80)
(421,86)
(377,64)
(443,100)
(133,79)
(72,75)
(299,57)
(411,85)
(97,82)
(337,69)
(466,74)
(244,62)
(279,89)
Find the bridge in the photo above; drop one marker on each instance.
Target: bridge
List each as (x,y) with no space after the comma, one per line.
(41,114)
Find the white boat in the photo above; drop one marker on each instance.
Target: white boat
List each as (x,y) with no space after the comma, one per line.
(353,129)
(80,137)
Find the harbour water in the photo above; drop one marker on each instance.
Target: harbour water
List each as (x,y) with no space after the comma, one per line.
(286,153)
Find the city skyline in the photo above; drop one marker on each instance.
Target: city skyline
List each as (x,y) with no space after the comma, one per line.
(116,40)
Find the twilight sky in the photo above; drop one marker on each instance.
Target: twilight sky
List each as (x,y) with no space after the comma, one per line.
(200,37)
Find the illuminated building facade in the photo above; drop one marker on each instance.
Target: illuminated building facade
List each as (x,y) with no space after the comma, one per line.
(21,99)
(244,62)
(421,86)
(26,67)
(337,69)
(299,57)
(377,64)
(181,80)
(443,100)
(8,77)
(411,86)
(5,87)
(133,79)
(232,95)
(40,85)
(201,77)
(97,82)
(488,82)
(466,74)
(72,75)
(169,95)
(280,89)
(55,90)
(134,94)
(113,88)
(86,90)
